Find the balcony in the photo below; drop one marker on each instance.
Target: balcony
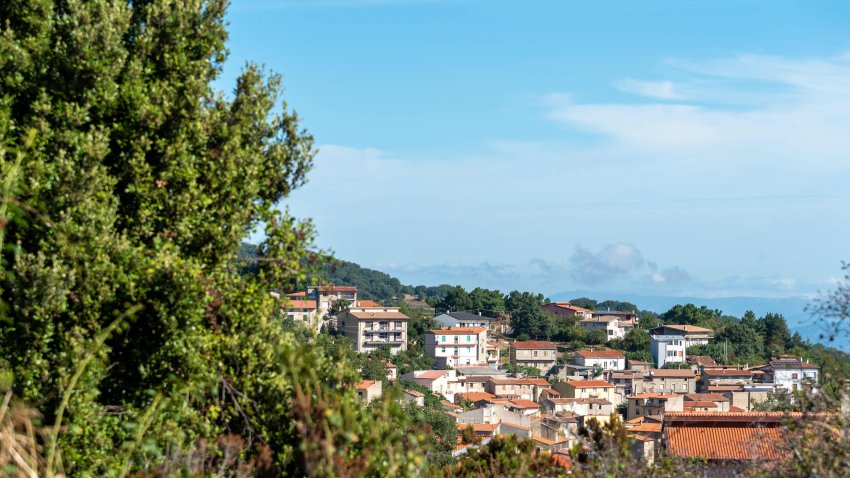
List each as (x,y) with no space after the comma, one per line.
(380,341)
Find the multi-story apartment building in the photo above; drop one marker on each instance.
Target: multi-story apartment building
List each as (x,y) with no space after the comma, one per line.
(373,327)
(667,349)
(453,347)
(533,353)
(588,389)
(691,334)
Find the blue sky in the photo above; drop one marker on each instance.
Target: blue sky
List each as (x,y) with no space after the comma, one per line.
(653,147)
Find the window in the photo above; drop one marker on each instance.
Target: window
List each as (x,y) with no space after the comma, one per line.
(443,339)
(398,324)
(535,353)
(469,338)
(794,376)
(444,349)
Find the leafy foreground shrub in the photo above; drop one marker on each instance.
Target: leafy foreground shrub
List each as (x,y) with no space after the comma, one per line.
(127,184)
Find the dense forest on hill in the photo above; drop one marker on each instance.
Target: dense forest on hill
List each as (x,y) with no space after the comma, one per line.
(371,284)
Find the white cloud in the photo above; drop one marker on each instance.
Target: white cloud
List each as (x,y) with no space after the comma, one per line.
(663,90)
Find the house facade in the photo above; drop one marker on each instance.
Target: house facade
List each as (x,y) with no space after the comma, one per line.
(370,328)
(538,354)
(691,334)
(607,360)
(303,312)
(453,347)
(789,373)
(667,349)
(326,295)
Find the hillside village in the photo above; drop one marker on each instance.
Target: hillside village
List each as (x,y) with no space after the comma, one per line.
(490,383)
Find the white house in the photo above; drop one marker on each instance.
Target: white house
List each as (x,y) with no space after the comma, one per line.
(691,334)
(452,347)
(667,349)
(790,373)
(434,380)
(607,360)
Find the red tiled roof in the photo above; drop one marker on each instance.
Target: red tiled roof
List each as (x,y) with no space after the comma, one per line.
(568,306)
(458,331)
(299,304)
(707,397)
(520,403)
(726,443)
(414,393)
(478,427)
(337,288)
(362,314)
(363,385)
(662,396)
(724,388)
(533,344)
(714,372)
(538,381)
(672,373)
(646,428)
(614,354)
(475,396)
(589,384)
(687,328)
(552,392)
(297,294)
(698,404)
(430,374)
(367,303)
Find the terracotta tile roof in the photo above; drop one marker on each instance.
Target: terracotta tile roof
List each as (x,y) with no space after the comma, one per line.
(672,373)
(568,306)
(641,437)
(613,354)
(414,393)
(589,384)
(362,314)
(716,372)
(726,443)
(458,331)
(686,328)
(297,294)
(538,381)
(514,425)
(707,397)
(724,388)
(520,403)
(475,396)
(551,392)
(733,408)
(363,385)
(430,374)
(533,344)
(646,428)
(478,427)
(299,304)
(698,404)
(367,303)
(511,381)
(703,360)
(337,288)
(660,396)
(542,440)
(448,404)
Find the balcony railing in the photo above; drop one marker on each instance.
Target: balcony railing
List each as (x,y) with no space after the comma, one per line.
(383,341)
